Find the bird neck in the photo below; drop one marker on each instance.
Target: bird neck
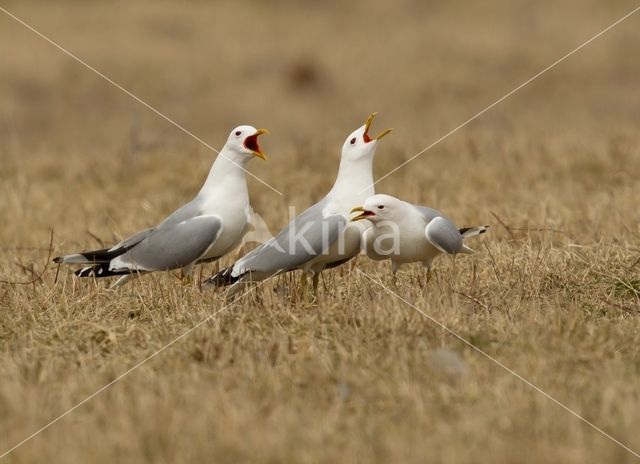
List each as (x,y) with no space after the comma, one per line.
(355,179)
(228,170)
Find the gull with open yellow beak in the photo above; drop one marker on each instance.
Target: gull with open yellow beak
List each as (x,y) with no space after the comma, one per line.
(321,237)
(203,230)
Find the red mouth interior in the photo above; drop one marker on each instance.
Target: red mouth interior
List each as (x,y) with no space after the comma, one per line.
(366,137)
(368,213)
(251,143)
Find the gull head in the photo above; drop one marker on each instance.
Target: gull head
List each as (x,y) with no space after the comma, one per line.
(379,208)
(243,140)
(360,144)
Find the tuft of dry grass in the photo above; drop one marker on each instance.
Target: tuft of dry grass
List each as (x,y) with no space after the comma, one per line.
(361,376)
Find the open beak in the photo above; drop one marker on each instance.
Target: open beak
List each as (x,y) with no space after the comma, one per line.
(251,143)
(367,125)
(364,214)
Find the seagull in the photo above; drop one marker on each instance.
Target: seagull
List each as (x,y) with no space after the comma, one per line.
(408,233)
(203,230)
(320,237)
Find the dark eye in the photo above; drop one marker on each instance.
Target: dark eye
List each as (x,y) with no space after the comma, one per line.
(238,133)
(380,206)
(353,140)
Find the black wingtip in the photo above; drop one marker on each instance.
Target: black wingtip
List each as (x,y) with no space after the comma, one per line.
(100,270)
(58,259)
(222,279)
(473,231)
(86,271)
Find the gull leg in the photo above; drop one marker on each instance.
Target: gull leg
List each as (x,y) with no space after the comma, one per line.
(304,284)
(427,264)
(394,273)
(234,292)
(453,265)
(307,291)
(316,281)
(430,273)
(186,274)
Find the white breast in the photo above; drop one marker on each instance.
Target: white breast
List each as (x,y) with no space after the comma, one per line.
(234,209)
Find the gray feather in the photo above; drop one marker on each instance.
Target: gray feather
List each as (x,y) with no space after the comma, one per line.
(174,245)
(307,236)
(185,212)
(444,235)
(428,213)
(132,240)
(188,211)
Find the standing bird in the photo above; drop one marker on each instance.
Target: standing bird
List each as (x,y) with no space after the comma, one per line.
(407,233)
(203,230)
(320,237)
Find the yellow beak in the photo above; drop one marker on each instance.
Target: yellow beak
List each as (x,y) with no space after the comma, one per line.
(251,143)
(383,133)
(364,214)
(367,125)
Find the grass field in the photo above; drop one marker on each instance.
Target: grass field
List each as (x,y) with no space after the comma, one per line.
(363,375)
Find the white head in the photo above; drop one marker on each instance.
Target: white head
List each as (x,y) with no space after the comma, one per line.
(359,144)
(380,207)
(243,141)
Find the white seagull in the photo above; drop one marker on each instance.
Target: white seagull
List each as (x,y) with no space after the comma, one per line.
(320,237)
(408,233)
(203,230)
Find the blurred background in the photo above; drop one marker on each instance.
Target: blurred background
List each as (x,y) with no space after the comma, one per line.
(554,169)
(311,72)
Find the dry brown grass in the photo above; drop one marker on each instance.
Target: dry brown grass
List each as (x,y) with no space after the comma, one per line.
(554,295)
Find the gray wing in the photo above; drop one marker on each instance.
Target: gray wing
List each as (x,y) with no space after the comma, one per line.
(444,235)
(307,236)
(187,211)
(172,246)
(428,213)
(134,239)
(184,213)
(105,255)
(441,232)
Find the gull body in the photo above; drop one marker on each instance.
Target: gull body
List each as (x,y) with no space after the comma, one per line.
(406,233)
(203,230)
(320,237)
(354,182)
